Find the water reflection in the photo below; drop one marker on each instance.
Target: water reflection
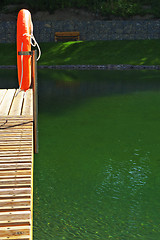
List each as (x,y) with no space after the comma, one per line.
(91,83)
(58,83)
(124,178)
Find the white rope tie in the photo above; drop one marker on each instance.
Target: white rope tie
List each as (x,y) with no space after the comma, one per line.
(34,43)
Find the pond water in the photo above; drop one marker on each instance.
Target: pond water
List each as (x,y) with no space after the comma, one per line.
(96,174)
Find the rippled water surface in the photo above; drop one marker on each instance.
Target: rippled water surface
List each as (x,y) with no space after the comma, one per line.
(97,172)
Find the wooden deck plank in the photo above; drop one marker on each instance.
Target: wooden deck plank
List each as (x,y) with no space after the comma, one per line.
(17,104)
(2,94)
(14,223)
(15,204)
(28,104)
(20,121)
(15,147)
(7,102)
(14,191)
(15,172)
(11,183)
(12,137)
(14,165)
(14,232)
(15,159)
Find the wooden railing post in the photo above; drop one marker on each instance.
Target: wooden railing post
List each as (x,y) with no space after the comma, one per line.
(35,100)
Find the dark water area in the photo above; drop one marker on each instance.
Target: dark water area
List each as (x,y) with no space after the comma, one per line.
(96,175)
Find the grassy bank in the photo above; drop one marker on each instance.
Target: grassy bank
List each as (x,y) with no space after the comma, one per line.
(138,52)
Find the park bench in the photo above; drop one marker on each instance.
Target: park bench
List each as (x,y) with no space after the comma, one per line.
(66,36)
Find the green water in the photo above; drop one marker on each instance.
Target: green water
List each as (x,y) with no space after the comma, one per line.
(97,172)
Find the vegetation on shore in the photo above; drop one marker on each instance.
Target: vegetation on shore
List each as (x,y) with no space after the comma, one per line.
(137,52)
(105,8)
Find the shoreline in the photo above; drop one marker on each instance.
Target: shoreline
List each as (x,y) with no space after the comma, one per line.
(92,67)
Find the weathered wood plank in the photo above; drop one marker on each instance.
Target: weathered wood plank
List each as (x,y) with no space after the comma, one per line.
(28,104)
(15,147)
(15,191)
(15,143)
(15,138)
(13,232)
(15,173)
(2,94)
(16,118)
(17,178)
(15,215)
(7,102)
(15,153)
(21,182)
(15,158)
(11,127)
(18,159)
(15,204)
(18,121)
(17,104)
(15,223)
(16,132)
(14,165)
(12,140)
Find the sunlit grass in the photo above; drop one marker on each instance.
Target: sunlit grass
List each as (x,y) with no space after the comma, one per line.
(137,52)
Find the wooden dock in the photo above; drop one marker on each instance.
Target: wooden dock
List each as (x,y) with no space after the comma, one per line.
(16,165)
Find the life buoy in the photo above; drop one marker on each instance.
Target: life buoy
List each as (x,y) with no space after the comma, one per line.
(24,29)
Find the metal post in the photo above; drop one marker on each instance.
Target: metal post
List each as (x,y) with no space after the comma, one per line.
(35,100)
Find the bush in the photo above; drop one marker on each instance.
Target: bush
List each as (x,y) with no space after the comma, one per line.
(122,8)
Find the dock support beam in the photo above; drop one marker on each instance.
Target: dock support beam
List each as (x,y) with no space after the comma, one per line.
(35,100)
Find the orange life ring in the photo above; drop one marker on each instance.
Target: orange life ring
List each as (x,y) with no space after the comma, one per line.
(24,28)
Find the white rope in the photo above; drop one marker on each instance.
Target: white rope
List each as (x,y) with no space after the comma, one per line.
(34,44)
(24,94)
(33,40)
(22,65)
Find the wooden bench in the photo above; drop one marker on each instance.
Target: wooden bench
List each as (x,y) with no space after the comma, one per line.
(66,36)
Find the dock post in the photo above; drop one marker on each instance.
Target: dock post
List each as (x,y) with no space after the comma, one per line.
(35,100)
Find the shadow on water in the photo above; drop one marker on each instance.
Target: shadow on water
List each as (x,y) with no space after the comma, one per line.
(62,90)
(86,83)
(8,78)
